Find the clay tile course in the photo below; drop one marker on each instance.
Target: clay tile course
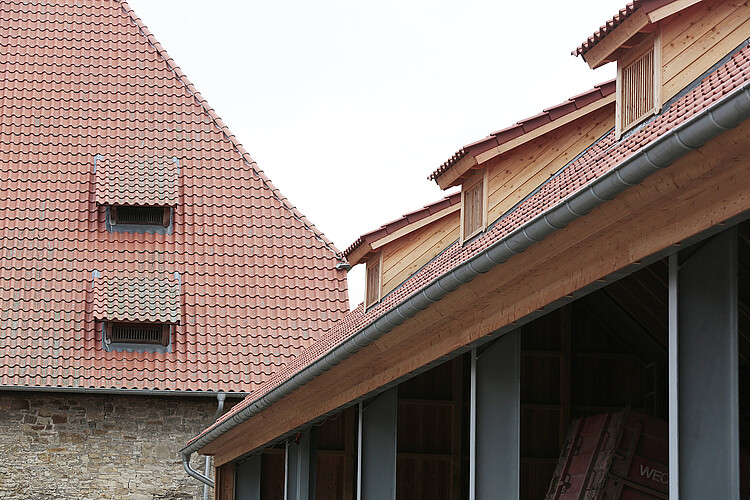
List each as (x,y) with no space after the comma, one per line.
(607,28)
(137,181)
(95,112)
(136,297)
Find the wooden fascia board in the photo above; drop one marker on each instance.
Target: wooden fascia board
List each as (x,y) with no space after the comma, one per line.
(359,254)
(703,188)
(599,53)
(670,9)
(414,226)
(453,174)
(544,129)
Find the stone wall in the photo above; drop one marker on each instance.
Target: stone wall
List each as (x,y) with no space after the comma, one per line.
(82,446)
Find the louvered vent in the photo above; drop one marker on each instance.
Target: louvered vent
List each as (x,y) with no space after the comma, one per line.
(142,215)
(373,282)
(637,90)
(138,333)
(473,209)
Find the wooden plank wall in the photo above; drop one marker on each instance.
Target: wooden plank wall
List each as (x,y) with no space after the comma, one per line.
(432,429)
(698,37)
(514,175)
(405,256)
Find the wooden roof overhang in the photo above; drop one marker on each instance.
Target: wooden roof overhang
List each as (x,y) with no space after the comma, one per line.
(474,156)
(370,243)
(696,192)
(628,29)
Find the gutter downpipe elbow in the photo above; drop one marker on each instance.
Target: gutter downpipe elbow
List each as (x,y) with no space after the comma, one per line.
(203,478)
(207,470)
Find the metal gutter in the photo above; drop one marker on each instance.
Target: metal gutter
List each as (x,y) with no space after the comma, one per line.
(659,154)
(121,392)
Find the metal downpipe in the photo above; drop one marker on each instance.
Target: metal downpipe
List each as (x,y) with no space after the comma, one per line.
(207,469)
(203,478)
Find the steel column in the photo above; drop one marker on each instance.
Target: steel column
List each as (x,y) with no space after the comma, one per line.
(495,420)
(247,479)
(377,447)
(703,386)
(301,457)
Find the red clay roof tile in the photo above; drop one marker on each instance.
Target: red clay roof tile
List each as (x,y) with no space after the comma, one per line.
(136,297)
(258,281)
(137,181)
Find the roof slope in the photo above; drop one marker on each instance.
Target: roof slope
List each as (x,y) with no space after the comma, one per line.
(597,160)
(85,78)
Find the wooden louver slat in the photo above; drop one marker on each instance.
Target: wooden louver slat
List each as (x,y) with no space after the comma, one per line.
(637,92)
(373,283)
(138,333)
(473,209)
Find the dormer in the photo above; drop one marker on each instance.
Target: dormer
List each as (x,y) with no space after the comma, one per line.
(660,48)
(136,311)
(400,248)
(139,195)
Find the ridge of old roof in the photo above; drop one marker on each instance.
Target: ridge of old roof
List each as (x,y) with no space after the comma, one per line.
(224,129)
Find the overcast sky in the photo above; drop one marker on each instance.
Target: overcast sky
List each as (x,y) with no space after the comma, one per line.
(349,106)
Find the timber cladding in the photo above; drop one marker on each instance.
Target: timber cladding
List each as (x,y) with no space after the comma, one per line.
(698,191)
(694,39)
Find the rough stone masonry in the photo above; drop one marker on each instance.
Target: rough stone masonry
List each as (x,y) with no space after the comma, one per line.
(80,446)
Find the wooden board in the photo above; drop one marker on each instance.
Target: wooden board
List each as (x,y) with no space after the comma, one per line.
(404,257)
(515,175)
(700,190)
(695,39)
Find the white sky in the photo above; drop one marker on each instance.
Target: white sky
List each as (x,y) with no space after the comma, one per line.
(349,106)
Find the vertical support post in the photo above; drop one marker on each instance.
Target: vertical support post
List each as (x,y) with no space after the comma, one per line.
(377,447)
(247,479)
(703,371)
(496,422)
(301,458)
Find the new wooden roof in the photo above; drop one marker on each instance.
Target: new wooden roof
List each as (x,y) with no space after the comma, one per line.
(600,158)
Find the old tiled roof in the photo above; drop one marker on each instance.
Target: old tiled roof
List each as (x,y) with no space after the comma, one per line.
(83,86)
(527,125)
(137,297)
(599,159)
(137,180)
(410,218)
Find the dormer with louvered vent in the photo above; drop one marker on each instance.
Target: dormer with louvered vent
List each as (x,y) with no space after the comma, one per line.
(138,194)
(137,312)
(638,84)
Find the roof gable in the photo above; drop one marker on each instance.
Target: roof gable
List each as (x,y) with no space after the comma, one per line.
(87,93)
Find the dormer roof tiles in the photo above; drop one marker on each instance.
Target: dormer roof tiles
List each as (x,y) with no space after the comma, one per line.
(137,181)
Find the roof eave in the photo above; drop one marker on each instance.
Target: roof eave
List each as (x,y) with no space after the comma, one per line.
(659,154)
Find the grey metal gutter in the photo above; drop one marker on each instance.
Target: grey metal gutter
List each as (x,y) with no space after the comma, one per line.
(662,152)
(120,392)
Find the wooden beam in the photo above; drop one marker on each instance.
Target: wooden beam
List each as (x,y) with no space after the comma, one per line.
(599,53)
(700,190)
(360,254)
(450,176)
(671,8)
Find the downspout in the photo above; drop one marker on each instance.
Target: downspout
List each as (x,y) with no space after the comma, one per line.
(203,478)
(207,470)
(661,153)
